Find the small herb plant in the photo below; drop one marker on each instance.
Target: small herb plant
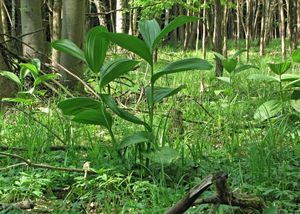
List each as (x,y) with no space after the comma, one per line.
(33,69)
(286,83)
(91,111)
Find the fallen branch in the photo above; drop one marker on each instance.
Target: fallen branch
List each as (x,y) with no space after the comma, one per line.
(25,205)
(223,196)
(51,148)
(45,166)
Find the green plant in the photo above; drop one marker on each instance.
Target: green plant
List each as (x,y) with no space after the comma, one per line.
(33,69)
(91,111)
(230,64)
(273,107)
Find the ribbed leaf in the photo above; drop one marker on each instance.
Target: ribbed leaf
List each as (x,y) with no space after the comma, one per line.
(263,78)
(44,78)
(225,79)
(244,67)
(279,68)
(110,102)
(73,106)
(229,64)
(183,65)
(161,93)
(164,155)
(95,48)
(11,76)
(130,43)
(296,55)
(29,68)
(136,138)
(68,47)
(116,68)
(177,22)
(94,117)
(268,110)
(149,29)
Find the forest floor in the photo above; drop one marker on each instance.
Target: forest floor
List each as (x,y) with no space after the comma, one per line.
(216,131)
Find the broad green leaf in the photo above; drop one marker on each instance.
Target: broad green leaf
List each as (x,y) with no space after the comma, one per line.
(29,68)
(238,53)
(268,110)
(218,55)
(295,83)
(44,78)
(279,68)
(295,95)
(110,102)
(149,29)
(183,65)
(225,79)
(11,76)
(136,138)
(229,64)
(73,106)
(296,105)
(94,117)
(244,67)
(164,155)
(116,68)
(161,93)
(19,100)
(95,48)
(131,43)
(68,47)
(290,77)
(262,77)
(270,210)
(177,22)
(296,55)
(37,63)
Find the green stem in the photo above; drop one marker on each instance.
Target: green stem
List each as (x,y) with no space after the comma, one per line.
(281,92)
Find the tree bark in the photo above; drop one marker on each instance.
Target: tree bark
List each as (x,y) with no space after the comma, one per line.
(282,29)
(225,29)
(7,87)
(248,28)
(119,17)
(73,29)
(56,28)
(217,37)
(31,18)
(204,32)
(262,29)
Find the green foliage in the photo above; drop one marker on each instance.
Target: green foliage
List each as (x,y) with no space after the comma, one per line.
(30,95)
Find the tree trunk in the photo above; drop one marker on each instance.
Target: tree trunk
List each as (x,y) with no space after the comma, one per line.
(282,29)
(73,29)
(119,17)
(298,20)
(100,7)
(290,23)
(217,37)
(7,87)
(225,25)
(248,28)
(56,28)
(204,32)
(262,29)
(238,26)
(31,18)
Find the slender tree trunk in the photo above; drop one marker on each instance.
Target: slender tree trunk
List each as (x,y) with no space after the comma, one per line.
(73,28)
(113,26)
(7,87)
(248,28)
(282,29)
(119,17)
(31,17)
(262,29)
(100,7)
(204,32)
(238,26)
(298,20)
(225,29)
(217,38)
(290,23)
(56,28)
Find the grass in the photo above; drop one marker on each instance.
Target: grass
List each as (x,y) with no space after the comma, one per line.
(261,159)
